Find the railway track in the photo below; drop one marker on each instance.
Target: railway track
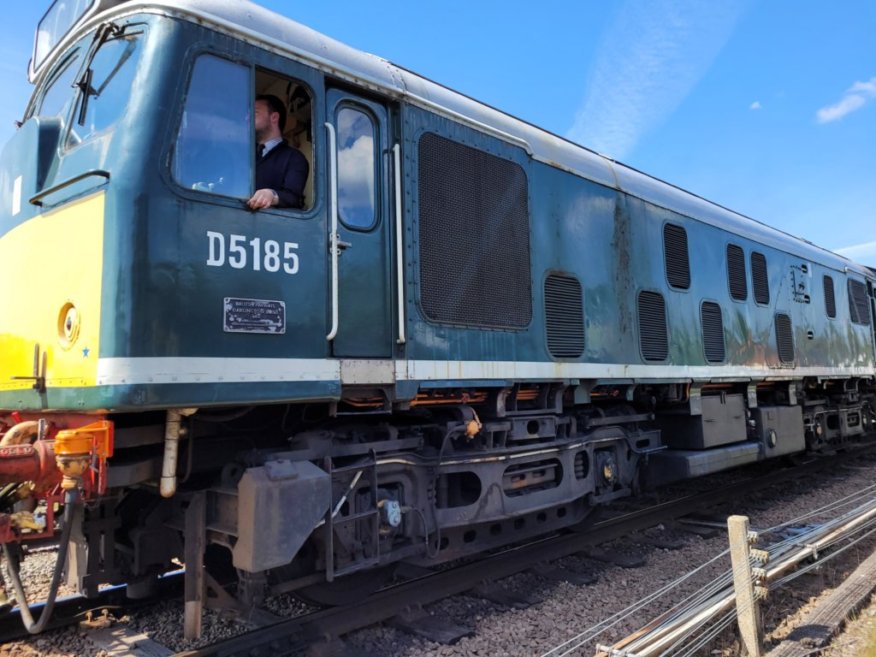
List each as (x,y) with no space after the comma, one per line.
(297,634)
(76,608)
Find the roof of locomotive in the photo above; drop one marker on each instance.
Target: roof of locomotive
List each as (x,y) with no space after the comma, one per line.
(263,27)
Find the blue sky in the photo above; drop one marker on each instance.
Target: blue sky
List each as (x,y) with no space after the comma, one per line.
(768,108)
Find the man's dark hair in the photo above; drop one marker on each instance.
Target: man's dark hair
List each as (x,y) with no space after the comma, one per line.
(275,105)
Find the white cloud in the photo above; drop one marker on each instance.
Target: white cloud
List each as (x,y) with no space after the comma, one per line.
(864,253)
(755,105)
(854,99)
(868,87)
(649,59)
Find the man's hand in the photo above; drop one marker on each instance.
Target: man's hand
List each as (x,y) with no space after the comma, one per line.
(263,198)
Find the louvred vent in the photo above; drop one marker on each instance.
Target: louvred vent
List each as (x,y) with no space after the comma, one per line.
(713,332)
(736,272)
(784,338)
(564,316)
(653,336)
(759,280)
(829,297)
(675,254)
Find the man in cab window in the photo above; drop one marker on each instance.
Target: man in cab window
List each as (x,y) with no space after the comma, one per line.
(281,170)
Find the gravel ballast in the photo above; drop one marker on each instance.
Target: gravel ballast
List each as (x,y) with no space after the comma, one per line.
(561,610)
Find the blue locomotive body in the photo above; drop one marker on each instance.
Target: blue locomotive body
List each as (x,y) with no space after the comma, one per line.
(472,332)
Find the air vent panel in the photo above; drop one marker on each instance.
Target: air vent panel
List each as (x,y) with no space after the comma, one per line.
(653,335)
(564,316)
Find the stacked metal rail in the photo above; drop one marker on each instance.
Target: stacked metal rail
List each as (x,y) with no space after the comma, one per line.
(698,619)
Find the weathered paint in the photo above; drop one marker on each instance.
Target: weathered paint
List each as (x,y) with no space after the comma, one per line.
(154,307)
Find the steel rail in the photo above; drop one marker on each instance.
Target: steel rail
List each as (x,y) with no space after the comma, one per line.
(663,633)
(663,637)
(74,608)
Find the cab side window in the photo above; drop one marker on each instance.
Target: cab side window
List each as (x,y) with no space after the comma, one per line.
(215,150)
(214,147)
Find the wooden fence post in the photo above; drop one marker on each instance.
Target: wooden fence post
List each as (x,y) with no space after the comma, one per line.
(747,611)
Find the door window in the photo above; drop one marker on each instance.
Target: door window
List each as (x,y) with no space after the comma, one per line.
(356,168)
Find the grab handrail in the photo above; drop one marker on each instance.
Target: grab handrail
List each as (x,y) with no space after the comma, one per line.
(38,199)
(333,235)
(399,246)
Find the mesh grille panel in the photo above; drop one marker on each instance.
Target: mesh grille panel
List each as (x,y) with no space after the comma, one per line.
(829,298)
(564,314)
(653,336)
(474,236)
(858,307)
(736,272)
(713,331)
(675,253)
(784,338)
(759,280)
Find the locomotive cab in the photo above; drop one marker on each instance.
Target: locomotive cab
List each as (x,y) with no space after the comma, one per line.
(150,285)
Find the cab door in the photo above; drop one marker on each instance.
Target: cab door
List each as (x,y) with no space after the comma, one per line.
(359,213)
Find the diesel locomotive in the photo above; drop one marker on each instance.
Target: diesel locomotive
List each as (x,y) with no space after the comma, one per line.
(472,332)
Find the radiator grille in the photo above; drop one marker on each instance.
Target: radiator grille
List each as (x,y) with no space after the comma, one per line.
(564,315)
(829,297)
(784,338)
(675,255)
(713,332)
(474,236)
(736,272)
(759,280)
(859,307)
(653,336)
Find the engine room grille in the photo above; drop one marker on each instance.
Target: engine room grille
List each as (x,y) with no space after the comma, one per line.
(784,338)
(736,272)
(474,236)
(675,255)
(653,336)
(713,331)
(859,308)
(564,316)
(829,297)
(759,279)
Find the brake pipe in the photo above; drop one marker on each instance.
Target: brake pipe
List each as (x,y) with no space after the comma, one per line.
(172,433)
(35,627)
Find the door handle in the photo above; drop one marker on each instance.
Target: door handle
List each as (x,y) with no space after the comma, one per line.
(336,242)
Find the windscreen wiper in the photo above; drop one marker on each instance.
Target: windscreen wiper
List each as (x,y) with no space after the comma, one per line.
(104,33)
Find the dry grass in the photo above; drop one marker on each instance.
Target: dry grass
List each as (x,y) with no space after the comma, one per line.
(870,647)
